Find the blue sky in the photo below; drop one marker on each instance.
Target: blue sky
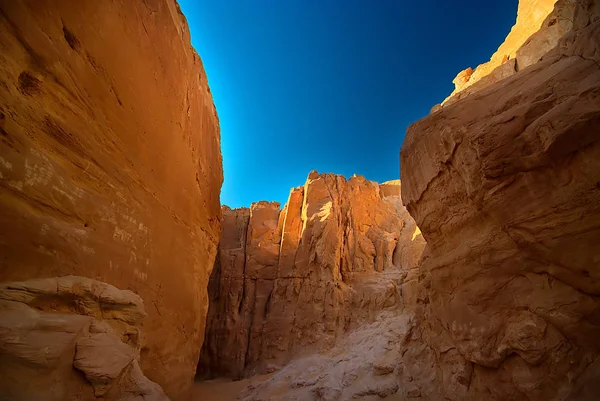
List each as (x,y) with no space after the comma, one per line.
(330,85)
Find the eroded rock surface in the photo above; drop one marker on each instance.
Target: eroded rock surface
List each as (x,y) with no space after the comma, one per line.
(505,303)
(366,365)
(540,25)
(293,281)
(54,330)
(110,163)
(504,185)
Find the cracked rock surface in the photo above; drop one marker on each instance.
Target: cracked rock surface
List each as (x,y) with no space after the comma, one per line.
(293,281)
(504,186)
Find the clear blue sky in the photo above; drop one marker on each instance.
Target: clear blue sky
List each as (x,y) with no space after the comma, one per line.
(330,85)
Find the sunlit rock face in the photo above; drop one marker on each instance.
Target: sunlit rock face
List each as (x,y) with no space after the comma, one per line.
(72,338)
(110,163)
(540,25)
(504,185)
(292,281)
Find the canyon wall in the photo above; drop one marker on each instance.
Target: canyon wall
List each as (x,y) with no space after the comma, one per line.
(505,186)
(291,281)
(540,25)
(110,163)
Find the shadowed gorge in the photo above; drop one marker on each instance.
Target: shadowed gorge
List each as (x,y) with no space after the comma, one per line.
(474,275)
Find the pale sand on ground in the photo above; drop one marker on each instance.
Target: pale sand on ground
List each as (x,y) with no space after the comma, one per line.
(223,389)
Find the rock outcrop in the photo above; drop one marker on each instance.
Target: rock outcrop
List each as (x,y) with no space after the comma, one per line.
(71,338)
(540,25)
(293,281)
(504,185)
(110,163)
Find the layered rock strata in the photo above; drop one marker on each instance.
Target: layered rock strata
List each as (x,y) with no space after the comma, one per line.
(71,338)
(504,185)
(292,281)
(110,163)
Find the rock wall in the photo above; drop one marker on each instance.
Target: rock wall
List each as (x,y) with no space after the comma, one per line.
(540,25)
(71,338)
(292,281)
(504,185)
(110,163)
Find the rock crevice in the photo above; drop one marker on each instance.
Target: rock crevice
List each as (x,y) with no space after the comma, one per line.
(503,183)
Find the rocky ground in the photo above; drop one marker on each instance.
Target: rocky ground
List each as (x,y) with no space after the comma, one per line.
(295,280)
(367,364)
(223,389)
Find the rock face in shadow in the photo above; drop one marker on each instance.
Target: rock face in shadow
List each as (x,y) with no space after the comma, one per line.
(71,338)
(110,163)
(504,185)
(292,281)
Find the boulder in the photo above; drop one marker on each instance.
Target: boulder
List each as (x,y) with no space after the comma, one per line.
(47,337)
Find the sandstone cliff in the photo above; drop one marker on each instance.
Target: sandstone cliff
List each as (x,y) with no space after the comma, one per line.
(504,185)
(293,281)
(110,163)
(540,25)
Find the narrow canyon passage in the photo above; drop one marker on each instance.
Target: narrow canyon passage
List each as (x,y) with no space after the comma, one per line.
(300,308)
(294,281)
(123,277)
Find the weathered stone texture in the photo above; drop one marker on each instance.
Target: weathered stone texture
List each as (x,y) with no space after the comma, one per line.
(504,186)
(110,163)
(71,338)
(295,281)
(504,303)
(539,27)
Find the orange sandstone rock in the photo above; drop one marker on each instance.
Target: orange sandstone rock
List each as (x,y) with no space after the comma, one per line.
(504,302)
(110,163)
(71,338)
(540,25)
(295,281)
(504,186)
